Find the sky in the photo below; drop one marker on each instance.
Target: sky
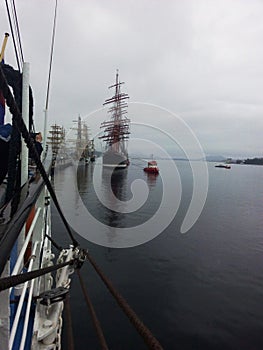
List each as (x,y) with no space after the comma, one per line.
(198,60)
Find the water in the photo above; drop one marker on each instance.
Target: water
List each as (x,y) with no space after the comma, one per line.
(199,290)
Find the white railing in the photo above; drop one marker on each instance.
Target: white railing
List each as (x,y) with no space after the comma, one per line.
(35,234)
(30,295)
(21,302)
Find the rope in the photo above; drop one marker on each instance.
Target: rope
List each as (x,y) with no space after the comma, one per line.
(13,37)
(29,142)
(70,337)
(51,53)
(17,31)
(12,281)
(95,320)
(145,333)
(58,247)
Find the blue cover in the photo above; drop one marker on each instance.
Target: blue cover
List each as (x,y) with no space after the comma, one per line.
(5,132)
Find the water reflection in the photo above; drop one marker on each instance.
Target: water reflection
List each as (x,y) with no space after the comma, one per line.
(114,185)
(107,197)
(151,179)
(84,177)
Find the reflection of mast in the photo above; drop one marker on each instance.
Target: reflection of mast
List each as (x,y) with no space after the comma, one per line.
(115,185)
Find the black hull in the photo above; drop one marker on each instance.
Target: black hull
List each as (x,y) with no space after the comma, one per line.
(115,160)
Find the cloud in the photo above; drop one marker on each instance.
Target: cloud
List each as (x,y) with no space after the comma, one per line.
(200,59)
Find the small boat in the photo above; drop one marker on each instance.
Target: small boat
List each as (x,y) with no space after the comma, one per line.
(226,166)
(152,167)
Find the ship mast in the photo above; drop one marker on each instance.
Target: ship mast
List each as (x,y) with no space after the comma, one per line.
(82,141)
(57,138)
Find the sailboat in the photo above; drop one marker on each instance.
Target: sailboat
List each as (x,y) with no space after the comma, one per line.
(81,143)
(116,130)
(84,144)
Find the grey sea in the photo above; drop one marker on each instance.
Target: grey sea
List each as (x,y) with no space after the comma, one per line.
(199,290)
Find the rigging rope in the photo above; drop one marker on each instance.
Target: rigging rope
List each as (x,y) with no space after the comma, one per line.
(17,31)
(29,142)
(12,281)
(70,337)
(51,53)
(58,247)
(95,320)
(13,37)
(145,333)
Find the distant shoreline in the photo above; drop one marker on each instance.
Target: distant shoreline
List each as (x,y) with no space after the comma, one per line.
(247,161)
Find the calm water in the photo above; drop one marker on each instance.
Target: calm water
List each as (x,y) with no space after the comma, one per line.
(199,290)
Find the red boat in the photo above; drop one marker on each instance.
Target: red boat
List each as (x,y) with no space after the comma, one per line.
(152,167)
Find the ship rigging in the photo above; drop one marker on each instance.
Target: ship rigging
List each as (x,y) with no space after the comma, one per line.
(117,129)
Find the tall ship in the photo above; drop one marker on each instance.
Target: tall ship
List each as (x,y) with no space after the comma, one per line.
(56,138)
(117,129)
(82,143)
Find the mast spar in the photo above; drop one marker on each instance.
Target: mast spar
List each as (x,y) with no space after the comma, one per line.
(3,46)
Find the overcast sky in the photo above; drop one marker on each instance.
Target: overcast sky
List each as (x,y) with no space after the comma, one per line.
(202,60)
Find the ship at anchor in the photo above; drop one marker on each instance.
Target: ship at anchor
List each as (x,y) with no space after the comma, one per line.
(116,130)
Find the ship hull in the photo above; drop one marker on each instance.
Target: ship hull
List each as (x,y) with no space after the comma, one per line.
(152,170)
(225,166)
(115,160)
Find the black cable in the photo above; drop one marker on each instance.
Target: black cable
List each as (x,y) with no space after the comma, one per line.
(58,247)
(12,281)
(70,336)
(29,142)
(51,53)
(13,37)
(18,219)
(18,31)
